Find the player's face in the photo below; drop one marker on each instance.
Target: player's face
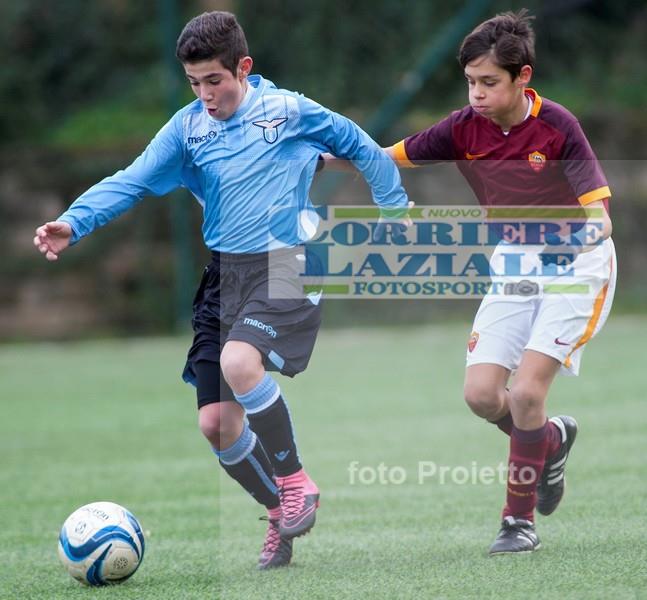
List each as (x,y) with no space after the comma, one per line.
(493,93)
(219,89)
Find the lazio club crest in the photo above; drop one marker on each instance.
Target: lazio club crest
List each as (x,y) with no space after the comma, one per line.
(270,128)
(537,161)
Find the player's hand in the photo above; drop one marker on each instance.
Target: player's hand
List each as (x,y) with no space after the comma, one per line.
(397,224)
(52,238)
(560,255)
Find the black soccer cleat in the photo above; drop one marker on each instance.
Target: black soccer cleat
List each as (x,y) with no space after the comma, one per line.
(515,536)
(550,488)
(277,551)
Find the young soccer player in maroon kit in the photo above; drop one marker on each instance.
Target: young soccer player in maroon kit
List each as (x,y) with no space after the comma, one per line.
(518,149)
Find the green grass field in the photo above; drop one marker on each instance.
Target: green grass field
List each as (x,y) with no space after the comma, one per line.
(111,420)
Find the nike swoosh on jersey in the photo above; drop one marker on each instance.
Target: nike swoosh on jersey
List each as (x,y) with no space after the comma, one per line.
(469,156)
(561,343)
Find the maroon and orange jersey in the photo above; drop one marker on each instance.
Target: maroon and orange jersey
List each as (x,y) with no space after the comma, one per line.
(545,160)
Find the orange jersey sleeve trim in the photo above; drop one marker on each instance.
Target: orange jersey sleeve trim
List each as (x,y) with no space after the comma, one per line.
(400,156)
(595,195)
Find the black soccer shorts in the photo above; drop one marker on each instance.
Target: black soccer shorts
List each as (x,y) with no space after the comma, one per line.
(236,301)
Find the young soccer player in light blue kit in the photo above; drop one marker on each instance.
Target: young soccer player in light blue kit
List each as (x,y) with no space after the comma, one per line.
(248,152)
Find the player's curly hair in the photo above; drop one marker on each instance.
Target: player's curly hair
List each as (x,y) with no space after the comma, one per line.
(508,37)
(212,35)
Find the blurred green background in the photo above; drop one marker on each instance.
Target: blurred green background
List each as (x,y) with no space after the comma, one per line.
(84,86)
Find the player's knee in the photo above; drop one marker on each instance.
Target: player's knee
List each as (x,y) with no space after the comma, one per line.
(209,423)
(484,401)
(241,367)
(220,428)
(527,398)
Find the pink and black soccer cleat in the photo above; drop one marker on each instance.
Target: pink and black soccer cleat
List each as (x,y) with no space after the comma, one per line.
(277,551)
(299,497)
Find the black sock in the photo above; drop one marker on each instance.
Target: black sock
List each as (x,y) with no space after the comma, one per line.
(273,427)
(246,462)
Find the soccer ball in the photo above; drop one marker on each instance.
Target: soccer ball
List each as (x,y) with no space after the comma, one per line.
(101,543)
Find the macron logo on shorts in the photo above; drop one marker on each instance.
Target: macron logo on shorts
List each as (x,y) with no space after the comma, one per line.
(259,325)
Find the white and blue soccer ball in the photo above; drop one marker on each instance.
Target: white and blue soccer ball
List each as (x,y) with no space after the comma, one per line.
(101,543)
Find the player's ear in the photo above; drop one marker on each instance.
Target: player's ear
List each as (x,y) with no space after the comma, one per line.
(525,75)
(244,67)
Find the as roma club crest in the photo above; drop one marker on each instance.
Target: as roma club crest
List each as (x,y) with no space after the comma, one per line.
(270,129)
(474,338)
(537,161)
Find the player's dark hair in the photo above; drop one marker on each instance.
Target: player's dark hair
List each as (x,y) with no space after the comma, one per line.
(508,37)
(213,35)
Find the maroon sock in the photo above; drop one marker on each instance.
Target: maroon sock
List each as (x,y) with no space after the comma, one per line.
(525,464)
(554,439)
(504,424)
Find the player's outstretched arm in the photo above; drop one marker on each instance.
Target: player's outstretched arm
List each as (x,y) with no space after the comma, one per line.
(333,163)
(578,243)
(398,220)
(607,226)
(52,238)
(155,172)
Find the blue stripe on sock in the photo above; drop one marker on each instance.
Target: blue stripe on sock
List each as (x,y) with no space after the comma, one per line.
(261,396)
(239,449)
(262,474)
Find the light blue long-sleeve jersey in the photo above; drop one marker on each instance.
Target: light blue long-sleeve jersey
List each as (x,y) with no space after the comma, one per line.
(251,173)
